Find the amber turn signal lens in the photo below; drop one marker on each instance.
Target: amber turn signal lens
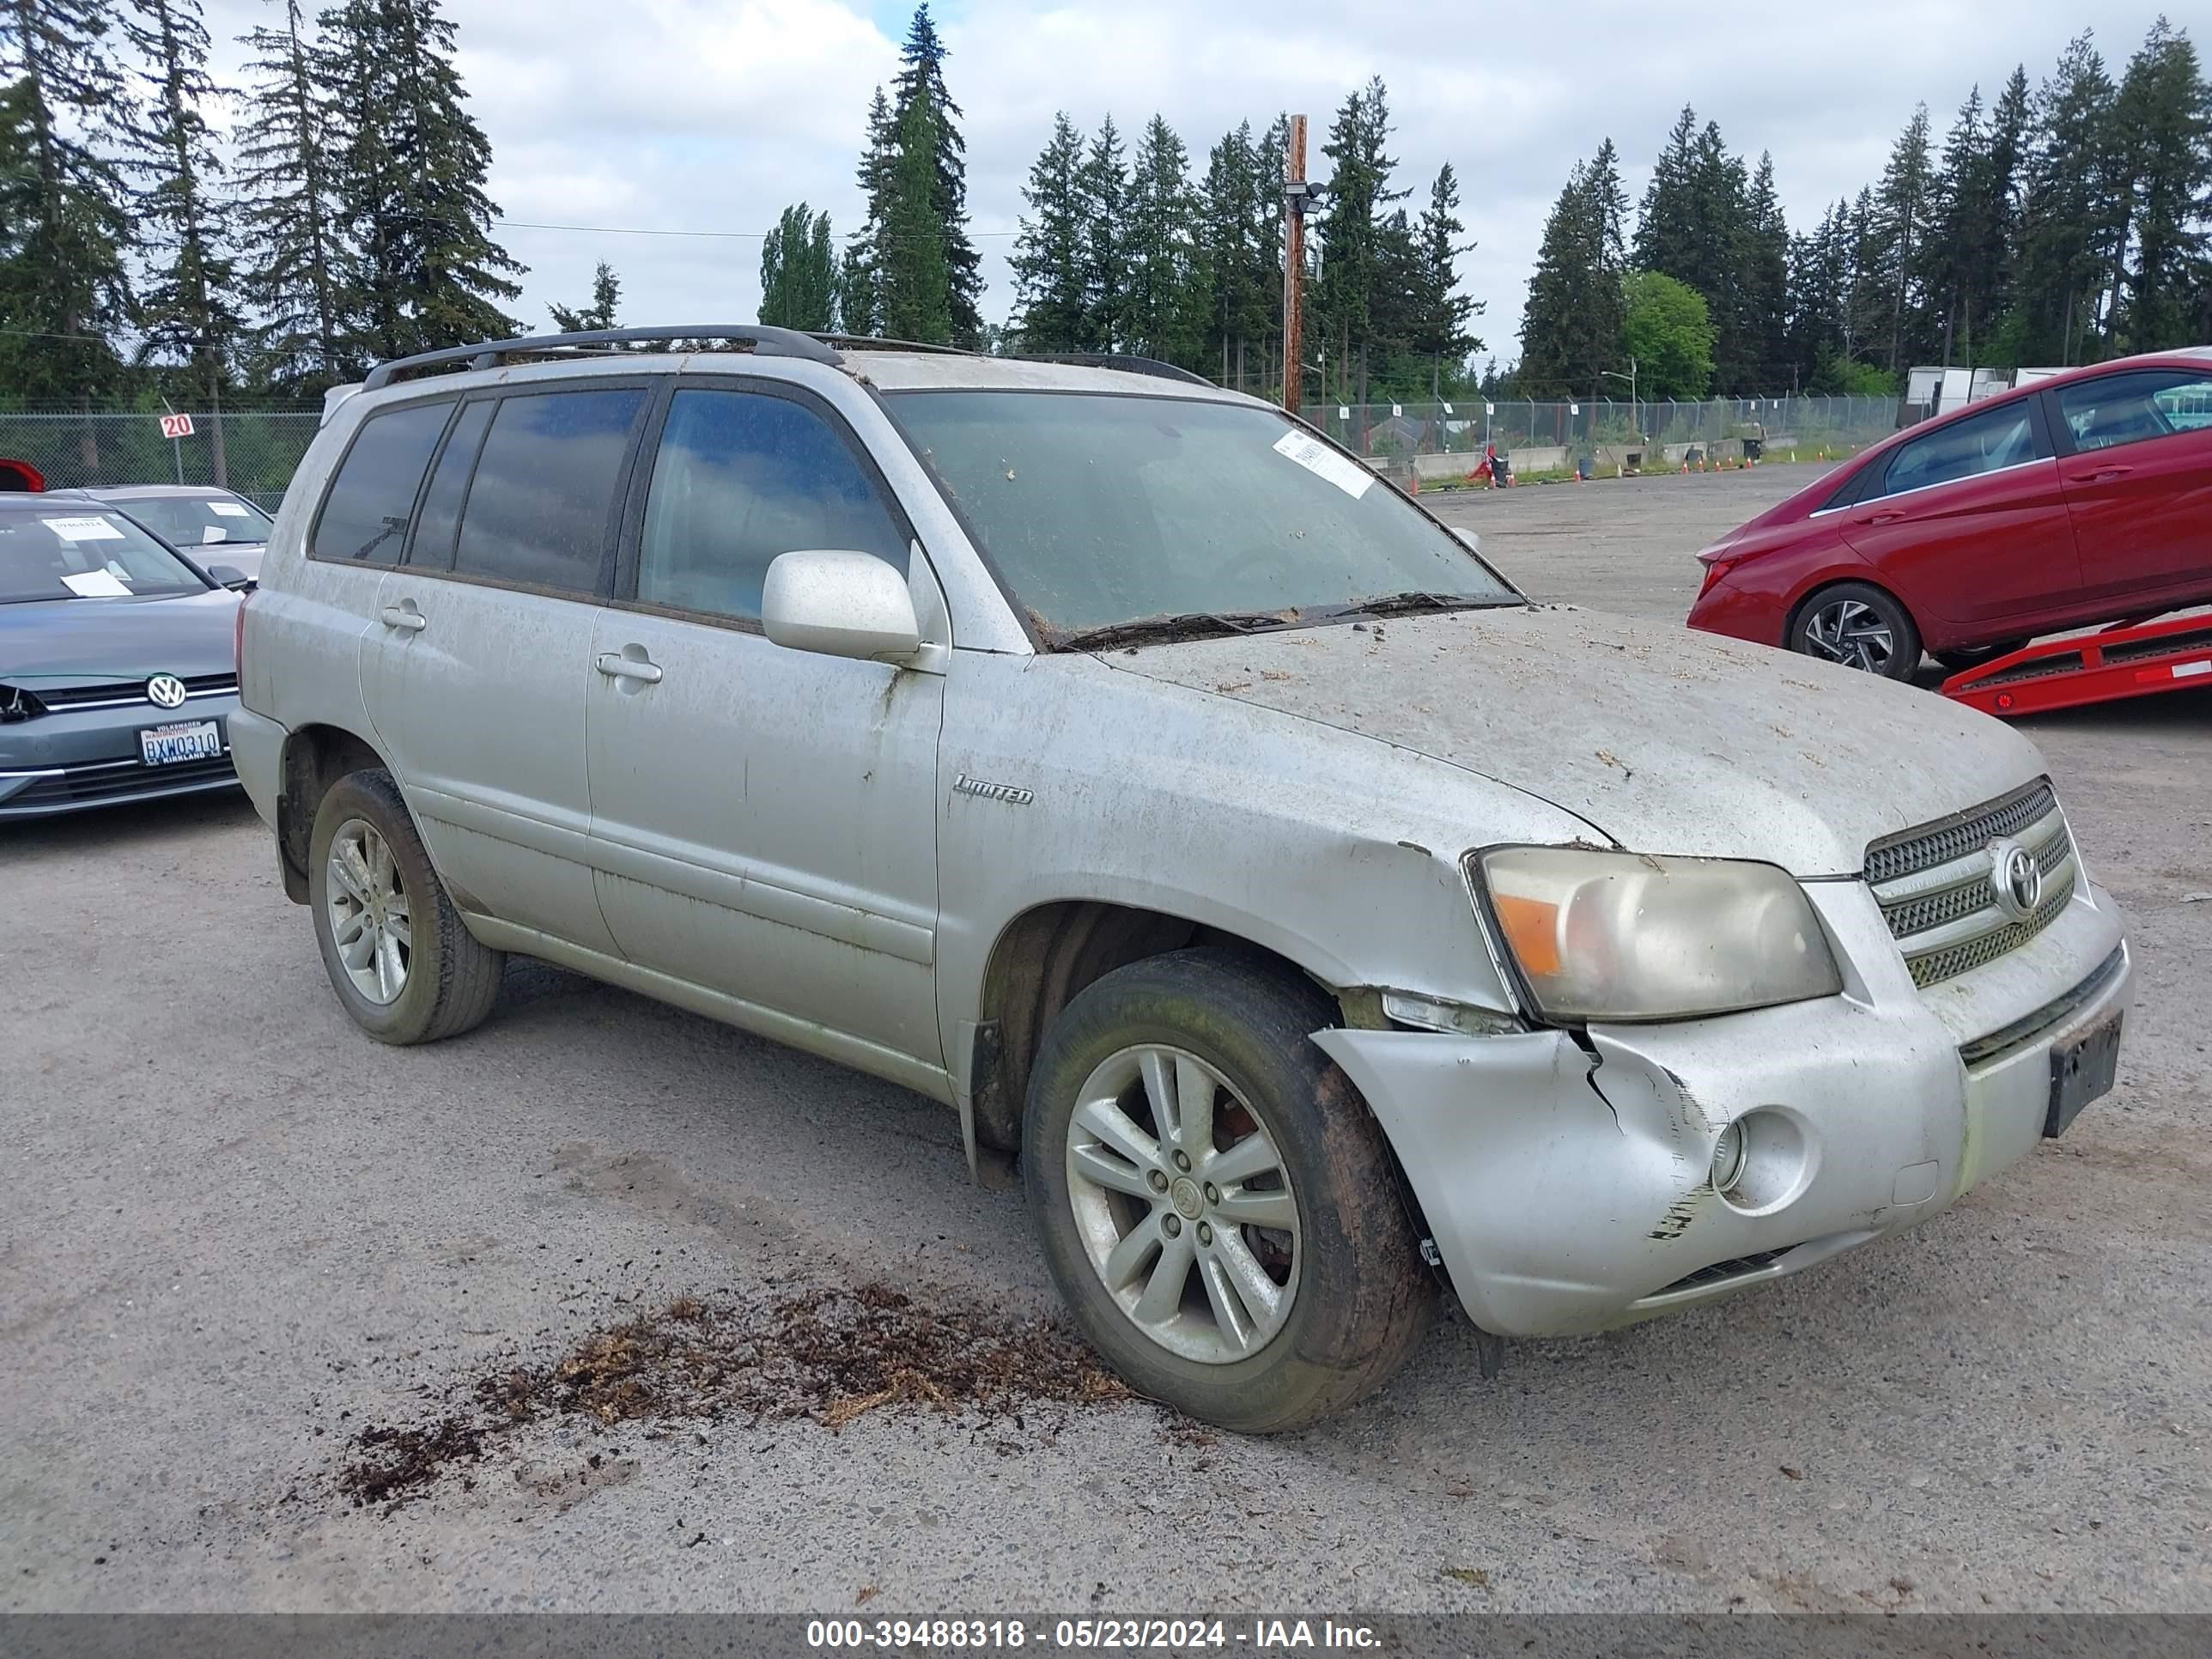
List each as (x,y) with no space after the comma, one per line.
(1532,927)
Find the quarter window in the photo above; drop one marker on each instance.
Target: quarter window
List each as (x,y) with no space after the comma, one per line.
(1981,443)
(2127,409)
(365,516)
(740,477)
(541,506)
(449,489)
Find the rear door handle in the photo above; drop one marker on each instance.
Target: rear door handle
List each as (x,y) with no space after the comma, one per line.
(405,617)
(616,666)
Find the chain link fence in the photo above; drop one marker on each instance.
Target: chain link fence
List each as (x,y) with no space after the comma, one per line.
(253,452)
(1538,436)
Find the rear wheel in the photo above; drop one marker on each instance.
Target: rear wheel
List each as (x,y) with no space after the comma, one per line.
(1215,1200)
(400,957)
(1859,626)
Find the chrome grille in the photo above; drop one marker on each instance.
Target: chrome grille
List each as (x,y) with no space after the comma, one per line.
(1935,886)
(1940,844)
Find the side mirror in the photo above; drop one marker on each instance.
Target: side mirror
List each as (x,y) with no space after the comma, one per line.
(1469,540)
(229,575)
(840,604)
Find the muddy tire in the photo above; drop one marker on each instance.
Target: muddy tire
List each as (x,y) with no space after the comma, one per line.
(398,956)
(1215,1202)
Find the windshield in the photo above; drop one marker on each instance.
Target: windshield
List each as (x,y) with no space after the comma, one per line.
(190,521)
(83,553)
(1102,510)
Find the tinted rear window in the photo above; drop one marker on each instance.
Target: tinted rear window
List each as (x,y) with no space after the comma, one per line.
(365,515)
(541,509)
(449,488)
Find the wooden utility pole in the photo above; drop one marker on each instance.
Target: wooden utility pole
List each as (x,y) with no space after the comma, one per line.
(1296,195)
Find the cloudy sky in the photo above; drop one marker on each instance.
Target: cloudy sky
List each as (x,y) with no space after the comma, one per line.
(710,115)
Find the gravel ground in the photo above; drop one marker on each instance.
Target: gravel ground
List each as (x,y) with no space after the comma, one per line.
(234,1234)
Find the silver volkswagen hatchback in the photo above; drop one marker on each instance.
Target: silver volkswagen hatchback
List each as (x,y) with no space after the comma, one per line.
(1309,919)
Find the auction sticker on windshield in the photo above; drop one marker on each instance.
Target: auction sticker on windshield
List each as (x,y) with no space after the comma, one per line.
(84,530)
(1318,458)
(226,509)
(96,584)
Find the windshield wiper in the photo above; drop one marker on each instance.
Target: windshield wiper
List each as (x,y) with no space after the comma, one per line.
(1408,605)
(1187,625)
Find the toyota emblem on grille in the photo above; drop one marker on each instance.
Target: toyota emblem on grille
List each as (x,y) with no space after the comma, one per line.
(2016,878)
(165,691)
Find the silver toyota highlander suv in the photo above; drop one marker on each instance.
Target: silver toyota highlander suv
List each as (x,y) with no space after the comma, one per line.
(1306,915)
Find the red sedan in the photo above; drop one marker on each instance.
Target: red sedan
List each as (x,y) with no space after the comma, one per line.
(2077,499)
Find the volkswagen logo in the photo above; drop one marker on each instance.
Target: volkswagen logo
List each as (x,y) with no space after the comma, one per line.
(165,691)
(2016,878)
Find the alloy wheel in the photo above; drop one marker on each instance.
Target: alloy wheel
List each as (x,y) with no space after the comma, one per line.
(1851,633)
(1183,1204)
(369,913)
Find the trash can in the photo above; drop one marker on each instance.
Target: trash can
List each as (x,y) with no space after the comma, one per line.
(1752,448)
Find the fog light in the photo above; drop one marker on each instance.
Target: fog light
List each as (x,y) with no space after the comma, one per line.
(1728,1158)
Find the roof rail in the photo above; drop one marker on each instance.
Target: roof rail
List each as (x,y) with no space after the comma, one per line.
(766,342)
(1122,360)
(872,342)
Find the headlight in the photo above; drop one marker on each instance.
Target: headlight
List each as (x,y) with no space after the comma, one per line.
(1623,936)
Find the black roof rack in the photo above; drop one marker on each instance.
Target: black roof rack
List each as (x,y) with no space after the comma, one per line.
(765,341)
(1122,360)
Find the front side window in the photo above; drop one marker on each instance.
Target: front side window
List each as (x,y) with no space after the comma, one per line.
(2127,409)
(1964,449)
(364,517)
(541,506)
(1104,511)
(76,552)
(740,477)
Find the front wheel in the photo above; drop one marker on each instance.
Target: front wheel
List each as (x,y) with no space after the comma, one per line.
(1859,626)
(1215,1202)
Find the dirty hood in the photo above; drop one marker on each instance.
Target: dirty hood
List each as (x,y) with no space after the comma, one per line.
(59,642)
(1667,740)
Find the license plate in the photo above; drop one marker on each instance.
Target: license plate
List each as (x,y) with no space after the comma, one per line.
(2081,1072)
(187,740)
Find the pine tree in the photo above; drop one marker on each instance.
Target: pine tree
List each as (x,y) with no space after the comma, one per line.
(1667,238)
(1699,226)
(1441,311)
(1571,332)
(289,240)
(799,272)
(188,305)
(1905,198)
(922,79)
(1764,264)
(1164,314)
(1242,270)
(916,275)
(1103,184)
(410,184)
(1353,257)
(1051,252)
(2165,110)
(860,294)
(2067,213)
(63,289)
(607,296)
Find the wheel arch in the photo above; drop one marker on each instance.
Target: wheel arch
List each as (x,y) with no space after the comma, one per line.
(315,758)
(1040,960)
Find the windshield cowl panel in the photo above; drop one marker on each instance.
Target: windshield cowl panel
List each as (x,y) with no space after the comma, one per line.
(1115,519)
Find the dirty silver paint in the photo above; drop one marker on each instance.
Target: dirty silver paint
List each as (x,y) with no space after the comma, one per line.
(820,849)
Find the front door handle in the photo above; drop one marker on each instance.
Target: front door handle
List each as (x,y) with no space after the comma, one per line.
(1881,518)
(405,617)
(615,666)
(2103,474)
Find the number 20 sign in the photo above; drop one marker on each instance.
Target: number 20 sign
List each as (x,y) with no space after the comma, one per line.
(176,426)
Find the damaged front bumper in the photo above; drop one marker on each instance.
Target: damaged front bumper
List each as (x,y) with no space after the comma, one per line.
(1567,1180)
